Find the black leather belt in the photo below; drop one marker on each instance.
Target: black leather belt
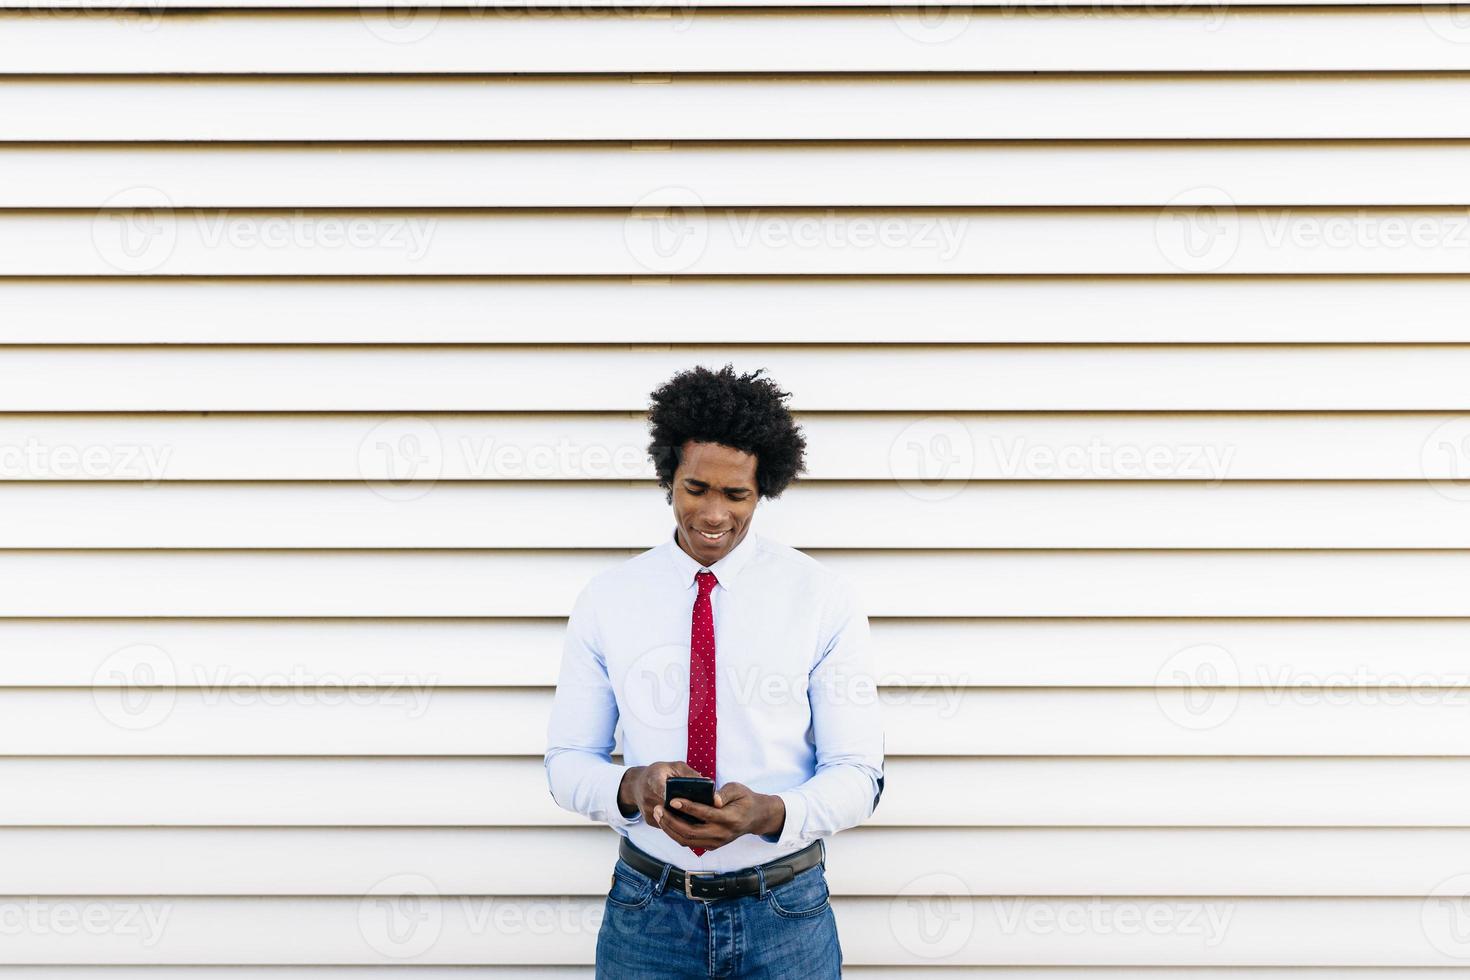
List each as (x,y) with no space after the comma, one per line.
(710,885)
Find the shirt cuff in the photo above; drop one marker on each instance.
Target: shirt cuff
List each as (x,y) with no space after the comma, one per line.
(795,820)
(615,818)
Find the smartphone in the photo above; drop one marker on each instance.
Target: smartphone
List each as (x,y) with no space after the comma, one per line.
(698,789)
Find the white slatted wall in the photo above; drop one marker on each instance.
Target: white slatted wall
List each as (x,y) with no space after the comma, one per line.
(1131,343)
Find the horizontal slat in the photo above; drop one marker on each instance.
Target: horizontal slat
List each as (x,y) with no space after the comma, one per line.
(431,973)
(951,792)
(1182,309)
(587,972)
(424,973)
(1263,653)
(571,973)
(940,720)
(954,39)
(626,7)
(1328,172)
(856,446)
(532,108)
(718,241)
(288,653)
(813,515)
(1121,932)
(409,972)
(420,973)
(917,583)
(574,861)
(858,379)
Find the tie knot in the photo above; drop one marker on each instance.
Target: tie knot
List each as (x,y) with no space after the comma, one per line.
(707,581)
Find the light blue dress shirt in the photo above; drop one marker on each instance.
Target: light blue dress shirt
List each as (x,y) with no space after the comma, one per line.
(796,696)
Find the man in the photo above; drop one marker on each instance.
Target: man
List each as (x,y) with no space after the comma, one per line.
(726,655)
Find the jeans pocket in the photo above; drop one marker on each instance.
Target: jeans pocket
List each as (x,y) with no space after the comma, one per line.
(630,889)
(803,896)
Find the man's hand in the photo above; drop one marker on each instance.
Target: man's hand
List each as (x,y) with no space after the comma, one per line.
(738,811)
(642,788)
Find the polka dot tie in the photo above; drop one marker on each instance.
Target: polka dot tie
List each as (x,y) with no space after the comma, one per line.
(701,754)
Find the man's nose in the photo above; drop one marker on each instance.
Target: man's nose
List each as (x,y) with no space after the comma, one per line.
(713,514)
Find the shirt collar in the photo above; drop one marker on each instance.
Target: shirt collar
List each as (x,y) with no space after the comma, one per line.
(726,570)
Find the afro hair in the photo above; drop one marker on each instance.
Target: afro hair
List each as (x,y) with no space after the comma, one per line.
(744,412)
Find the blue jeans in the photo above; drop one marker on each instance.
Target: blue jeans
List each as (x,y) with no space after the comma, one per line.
(650,930)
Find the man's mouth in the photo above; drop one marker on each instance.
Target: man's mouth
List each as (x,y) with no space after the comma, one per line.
(712,537)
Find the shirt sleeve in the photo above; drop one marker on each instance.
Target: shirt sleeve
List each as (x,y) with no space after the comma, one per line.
(847,725)
(584,717)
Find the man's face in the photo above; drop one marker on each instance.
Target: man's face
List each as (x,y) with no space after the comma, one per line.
(714,499)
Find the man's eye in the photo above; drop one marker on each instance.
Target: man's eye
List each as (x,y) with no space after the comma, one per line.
(692,491)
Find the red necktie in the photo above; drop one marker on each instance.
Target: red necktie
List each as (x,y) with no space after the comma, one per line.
(701,754)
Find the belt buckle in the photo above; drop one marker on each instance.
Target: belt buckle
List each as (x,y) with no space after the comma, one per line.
(689,878)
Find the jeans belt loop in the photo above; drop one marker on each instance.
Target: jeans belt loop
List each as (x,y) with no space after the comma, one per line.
(761,874)
(663,880)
